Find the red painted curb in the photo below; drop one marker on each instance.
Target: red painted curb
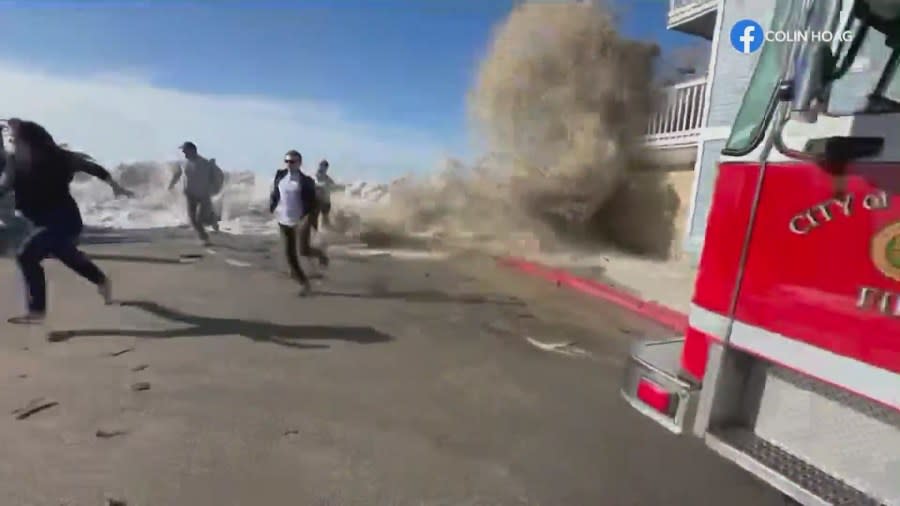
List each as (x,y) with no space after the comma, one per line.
(660,314)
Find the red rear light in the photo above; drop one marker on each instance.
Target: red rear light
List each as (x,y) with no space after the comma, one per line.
(655,396)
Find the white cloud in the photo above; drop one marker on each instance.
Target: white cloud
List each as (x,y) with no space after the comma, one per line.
(122,116)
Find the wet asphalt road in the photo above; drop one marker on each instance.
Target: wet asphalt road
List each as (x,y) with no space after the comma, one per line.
(399,382)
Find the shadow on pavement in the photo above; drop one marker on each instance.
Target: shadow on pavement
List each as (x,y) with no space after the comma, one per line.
(203,326)
(352,258)
(134,259)
(422,296)
(88,240)
(97,235)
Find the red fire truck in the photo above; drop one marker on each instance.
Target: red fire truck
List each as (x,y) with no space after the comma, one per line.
(790,366)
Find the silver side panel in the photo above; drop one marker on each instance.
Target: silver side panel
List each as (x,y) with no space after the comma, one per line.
(815,443)
(803,482)
(659,362)
(850,438)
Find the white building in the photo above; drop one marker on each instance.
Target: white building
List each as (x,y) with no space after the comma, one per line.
(683,129)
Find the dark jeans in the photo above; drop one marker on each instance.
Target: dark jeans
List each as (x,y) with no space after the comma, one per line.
(61,241)
(297,239)
(198,209)
(325,214)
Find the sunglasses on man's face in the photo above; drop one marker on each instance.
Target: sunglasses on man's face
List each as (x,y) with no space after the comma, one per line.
(291,161)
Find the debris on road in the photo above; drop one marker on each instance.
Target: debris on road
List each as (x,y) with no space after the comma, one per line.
(139,367)
(190,258)
(58,336)
(549,346)
(115,501)
(499,328)
(237,263)
(33,407)
(140,386)
(564,348)
(110,433)
(121,352)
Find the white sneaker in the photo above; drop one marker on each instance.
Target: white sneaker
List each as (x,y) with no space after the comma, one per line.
(105,289)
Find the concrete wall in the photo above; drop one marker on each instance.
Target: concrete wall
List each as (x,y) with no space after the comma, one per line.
(677,168)
(648,212)
(682,181)
(673,158)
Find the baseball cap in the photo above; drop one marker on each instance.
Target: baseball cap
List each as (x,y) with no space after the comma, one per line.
(188,144)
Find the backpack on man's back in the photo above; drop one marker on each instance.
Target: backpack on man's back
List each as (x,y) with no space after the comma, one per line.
(218,177)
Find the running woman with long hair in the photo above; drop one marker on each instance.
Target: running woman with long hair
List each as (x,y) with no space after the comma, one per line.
(39,172)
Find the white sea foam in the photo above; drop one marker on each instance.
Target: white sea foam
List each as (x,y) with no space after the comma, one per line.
(243,203)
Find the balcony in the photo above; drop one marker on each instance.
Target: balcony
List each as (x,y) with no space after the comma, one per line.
(693,17)
(679,120)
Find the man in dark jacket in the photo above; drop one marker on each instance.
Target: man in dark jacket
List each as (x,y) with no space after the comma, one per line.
(294,204)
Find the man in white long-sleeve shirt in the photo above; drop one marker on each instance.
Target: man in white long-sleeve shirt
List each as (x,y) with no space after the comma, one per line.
(199,187)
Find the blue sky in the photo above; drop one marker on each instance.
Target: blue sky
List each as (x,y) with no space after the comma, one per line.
(394,70)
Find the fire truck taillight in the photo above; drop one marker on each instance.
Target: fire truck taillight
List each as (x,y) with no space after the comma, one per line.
(656,396)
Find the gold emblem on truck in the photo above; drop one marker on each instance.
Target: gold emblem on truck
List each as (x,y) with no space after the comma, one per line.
(836,209)
(885,250)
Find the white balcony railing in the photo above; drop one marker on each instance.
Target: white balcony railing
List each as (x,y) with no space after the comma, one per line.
(684,4)
(683,11)
(677,123)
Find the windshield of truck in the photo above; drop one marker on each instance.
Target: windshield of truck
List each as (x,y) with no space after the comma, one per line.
(760,97)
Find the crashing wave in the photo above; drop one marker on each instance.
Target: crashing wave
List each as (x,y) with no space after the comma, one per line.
(243,202)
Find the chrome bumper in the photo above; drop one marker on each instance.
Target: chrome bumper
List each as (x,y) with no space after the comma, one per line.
(653,366)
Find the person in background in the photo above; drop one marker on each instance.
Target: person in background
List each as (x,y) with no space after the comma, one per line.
(325,186)
(214,214)
(293,201)
(200,184)
(39,172)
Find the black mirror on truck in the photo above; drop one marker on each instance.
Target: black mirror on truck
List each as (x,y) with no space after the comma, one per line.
(808,95)
(841,149)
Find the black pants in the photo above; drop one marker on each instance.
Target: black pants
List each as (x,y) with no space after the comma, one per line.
(60,241)
(325,214)
(297,240)
(198,209)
